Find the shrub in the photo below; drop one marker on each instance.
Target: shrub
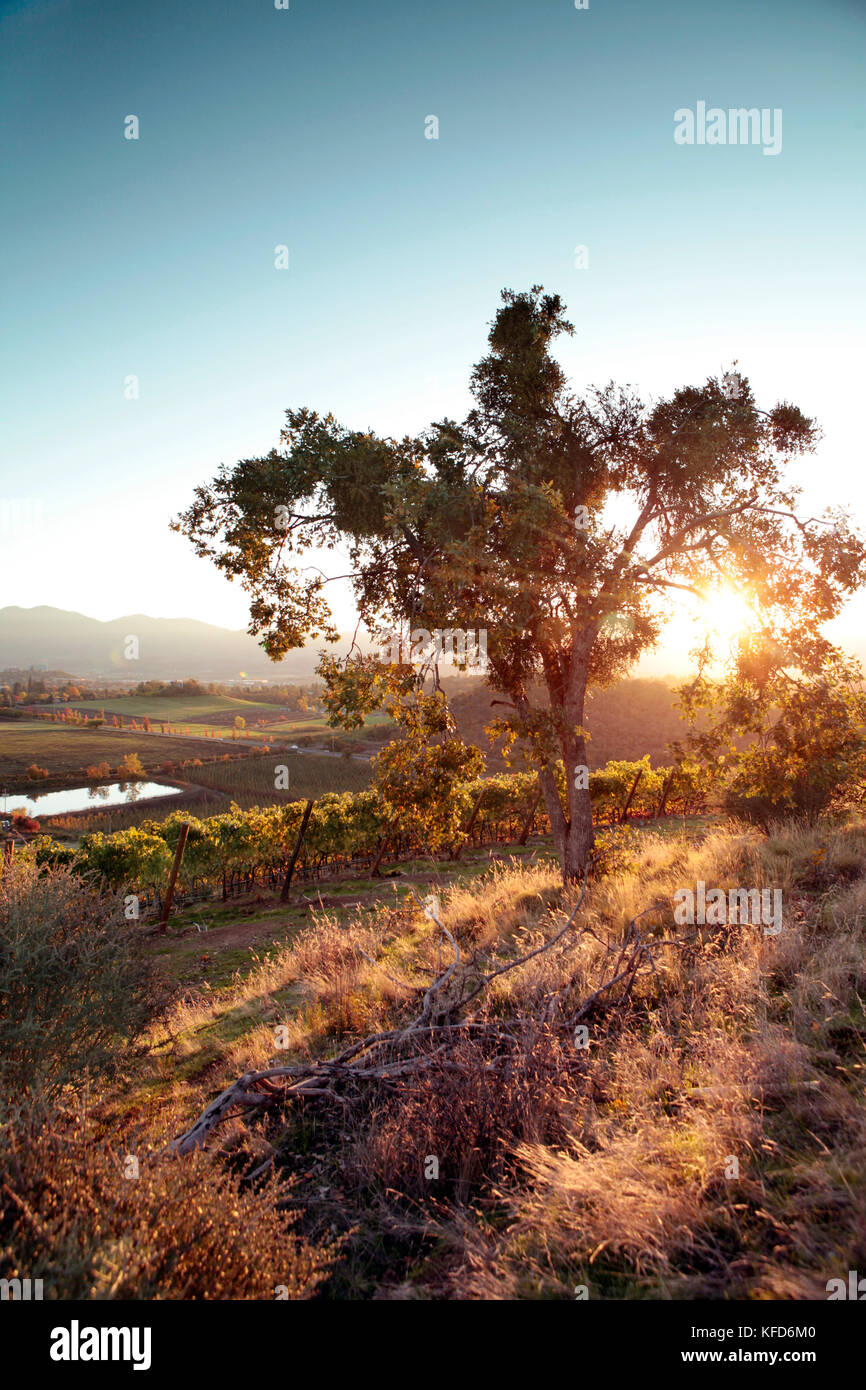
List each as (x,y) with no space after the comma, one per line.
(183,1229)
(131,766)
(35,772)
(49,853)
(75,990)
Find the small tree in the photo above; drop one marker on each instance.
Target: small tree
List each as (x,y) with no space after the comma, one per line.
(131,766)
(421,777)
(787,729)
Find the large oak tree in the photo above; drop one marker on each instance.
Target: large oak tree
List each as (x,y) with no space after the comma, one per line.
(566,525)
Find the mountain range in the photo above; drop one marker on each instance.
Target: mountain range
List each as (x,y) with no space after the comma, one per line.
(168,648)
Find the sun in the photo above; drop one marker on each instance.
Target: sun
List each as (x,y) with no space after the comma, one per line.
(728,613)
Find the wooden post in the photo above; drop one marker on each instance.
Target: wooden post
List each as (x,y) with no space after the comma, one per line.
(456,851)
(178,856)
(305,820)
(665,790)
(624,816)
(524,834)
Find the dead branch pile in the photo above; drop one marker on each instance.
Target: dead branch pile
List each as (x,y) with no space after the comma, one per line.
(434,1042)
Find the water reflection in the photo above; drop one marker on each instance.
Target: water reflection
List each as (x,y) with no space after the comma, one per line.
(82,798)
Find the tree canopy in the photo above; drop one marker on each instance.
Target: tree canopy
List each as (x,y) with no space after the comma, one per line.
(563,524)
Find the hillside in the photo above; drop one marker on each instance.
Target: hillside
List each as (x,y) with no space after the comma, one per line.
(702,1140)
(630,719)
(168,647)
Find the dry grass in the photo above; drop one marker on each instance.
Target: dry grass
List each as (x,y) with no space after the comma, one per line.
(711,1143)
(754,1052)
(716,1147)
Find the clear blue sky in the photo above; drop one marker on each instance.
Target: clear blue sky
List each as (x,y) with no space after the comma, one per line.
(306,127)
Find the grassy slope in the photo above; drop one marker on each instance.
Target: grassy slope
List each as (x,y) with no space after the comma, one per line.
(741,1047)
(633,717)
(159,707)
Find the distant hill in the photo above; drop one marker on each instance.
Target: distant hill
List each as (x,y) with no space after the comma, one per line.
(168,648)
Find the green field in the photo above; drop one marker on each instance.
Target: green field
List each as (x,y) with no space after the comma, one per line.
(316,726)
(164,709)
(215,714)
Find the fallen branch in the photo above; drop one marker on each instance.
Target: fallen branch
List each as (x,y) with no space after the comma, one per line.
(434,1041)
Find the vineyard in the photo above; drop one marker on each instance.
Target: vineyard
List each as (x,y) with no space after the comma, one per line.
(230,853)
(247,780)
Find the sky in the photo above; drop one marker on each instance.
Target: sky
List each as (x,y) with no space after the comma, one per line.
(306,128)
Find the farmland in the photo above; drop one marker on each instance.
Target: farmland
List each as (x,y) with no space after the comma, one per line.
(66,752)
(243,775)
(247,781)
(176,709)
(251,780)
(213,716)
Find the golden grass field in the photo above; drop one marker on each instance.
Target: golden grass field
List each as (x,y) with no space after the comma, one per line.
(617,1176)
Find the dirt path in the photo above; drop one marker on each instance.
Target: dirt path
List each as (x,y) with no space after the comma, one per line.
(235,934)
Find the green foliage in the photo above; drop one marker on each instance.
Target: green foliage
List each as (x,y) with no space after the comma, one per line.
(614,851)
(786,732)
(501,523)
(423,796)
(421,778)
(74,991)
(132,856)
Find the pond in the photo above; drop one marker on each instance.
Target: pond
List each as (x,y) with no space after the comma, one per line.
(87,798)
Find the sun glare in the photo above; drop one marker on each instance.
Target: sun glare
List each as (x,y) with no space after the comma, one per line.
(728,613)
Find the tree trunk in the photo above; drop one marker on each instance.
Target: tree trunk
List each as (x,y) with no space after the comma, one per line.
(581,837)
(573,837)
(669,780)
(383,845)
(463,836)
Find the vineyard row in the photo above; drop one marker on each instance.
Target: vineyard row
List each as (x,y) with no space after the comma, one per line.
(354,831)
